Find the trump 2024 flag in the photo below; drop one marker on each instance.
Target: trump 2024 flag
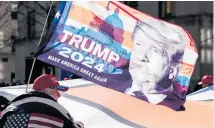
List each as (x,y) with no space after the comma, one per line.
(120,48)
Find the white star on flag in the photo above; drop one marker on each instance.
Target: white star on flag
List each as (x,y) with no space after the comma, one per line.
(57,15)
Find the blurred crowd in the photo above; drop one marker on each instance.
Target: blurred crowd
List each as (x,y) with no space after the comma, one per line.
(14,82)
(4,84)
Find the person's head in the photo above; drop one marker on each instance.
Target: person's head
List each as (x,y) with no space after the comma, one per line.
(48,84)
(206,81)
(158,49)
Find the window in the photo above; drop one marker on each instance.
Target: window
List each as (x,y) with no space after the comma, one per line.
(206,49)
(31,24)
(14,6)
(32,53)
(133,4)
(187,20)
(14,10)
(4,59)
(14,15)
(51,15)
(1,36)
(12,76)
(1,39)
(166,9)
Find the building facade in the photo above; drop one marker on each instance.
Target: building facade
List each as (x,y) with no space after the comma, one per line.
(21,25)
(32,16)
(8,31)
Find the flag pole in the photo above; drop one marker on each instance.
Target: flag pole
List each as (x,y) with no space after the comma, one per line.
(34,60)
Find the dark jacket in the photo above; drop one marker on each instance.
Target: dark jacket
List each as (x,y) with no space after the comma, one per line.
(37,104)
(4,102)
(198,87)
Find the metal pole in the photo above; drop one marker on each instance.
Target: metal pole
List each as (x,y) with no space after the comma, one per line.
(34,60)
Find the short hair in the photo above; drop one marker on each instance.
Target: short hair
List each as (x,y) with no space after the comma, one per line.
(170,37)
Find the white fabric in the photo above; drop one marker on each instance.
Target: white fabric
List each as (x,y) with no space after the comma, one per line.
(203,94)
(94,117)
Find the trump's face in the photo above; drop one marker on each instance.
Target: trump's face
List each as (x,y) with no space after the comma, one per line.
(149,61)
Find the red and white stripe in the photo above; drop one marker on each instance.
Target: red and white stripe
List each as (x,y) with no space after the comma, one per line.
(44,121)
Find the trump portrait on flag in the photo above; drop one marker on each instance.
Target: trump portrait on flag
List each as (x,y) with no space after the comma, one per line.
(155,59)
